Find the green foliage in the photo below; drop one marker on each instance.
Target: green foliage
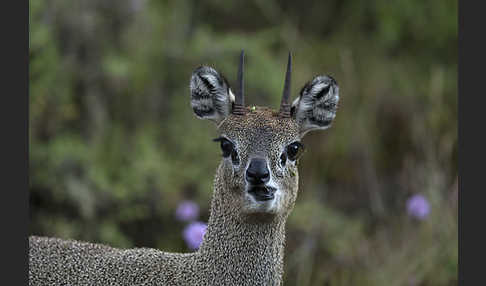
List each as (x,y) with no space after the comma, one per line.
(114,146)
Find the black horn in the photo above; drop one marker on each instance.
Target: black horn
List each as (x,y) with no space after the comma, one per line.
(239,107)
(285,104)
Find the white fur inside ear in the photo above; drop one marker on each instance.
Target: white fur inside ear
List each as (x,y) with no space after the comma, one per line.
(211,97)
(316,106)
(231,96)
(211,79)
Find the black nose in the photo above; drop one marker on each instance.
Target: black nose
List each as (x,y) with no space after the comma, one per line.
(257,172)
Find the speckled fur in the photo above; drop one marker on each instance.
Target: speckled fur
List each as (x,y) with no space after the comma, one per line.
(244,243)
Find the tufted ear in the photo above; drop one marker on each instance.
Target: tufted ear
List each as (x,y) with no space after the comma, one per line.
(316,106)
(211,97)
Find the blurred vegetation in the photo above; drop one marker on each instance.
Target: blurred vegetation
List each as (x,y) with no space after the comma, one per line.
(114,146)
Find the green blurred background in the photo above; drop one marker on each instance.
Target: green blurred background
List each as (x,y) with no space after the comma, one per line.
(114,145)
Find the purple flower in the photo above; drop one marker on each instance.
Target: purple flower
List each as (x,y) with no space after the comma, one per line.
(418,207)
(187,211)
(194,233)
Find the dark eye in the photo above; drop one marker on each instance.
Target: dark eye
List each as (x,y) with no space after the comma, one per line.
(226,146)
(294,150)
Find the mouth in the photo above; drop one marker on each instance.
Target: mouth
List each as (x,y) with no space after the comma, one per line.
(262,193)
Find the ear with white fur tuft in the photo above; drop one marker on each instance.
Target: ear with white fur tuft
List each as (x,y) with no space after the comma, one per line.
(316,106)
(211,97)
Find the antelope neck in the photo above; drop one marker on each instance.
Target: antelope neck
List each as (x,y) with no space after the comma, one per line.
(250,250)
